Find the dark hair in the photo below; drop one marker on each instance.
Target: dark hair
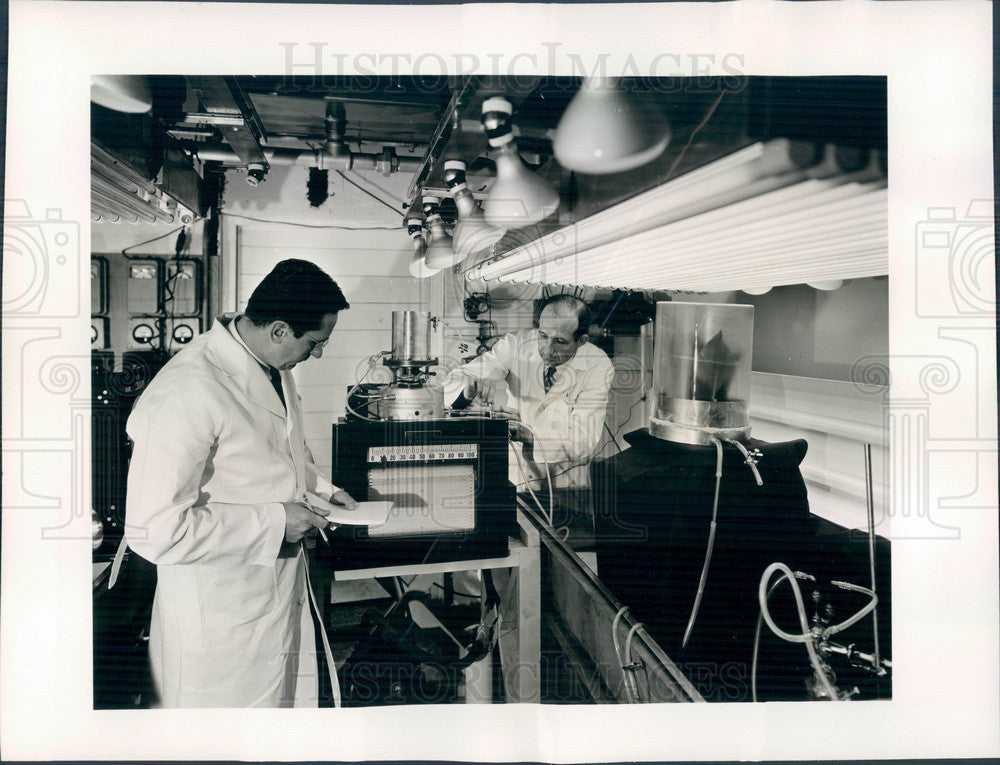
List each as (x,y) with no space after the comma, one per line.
(298,293)
(584,317)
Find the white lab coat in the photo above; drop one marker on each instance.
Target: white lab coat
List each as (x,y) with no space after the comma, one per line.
(215,457)
(566,421)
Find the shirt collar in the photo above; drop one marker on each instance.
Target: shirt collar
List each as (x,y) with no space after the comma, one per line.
(235,333)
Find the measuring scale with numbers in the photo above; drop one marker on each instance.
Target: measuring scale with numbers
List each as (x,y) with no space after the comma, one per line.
(447,479)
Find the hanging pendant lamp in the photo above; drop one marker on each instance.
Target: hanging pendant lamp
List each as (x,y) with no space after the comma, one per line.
(605,130)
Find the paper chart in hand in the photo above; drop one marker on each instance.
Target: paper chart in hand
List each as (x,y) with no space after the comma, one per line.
(364,513)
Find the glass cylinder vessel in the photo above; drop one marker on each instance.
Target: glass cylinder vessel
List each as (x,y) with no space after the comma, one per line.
(701,371)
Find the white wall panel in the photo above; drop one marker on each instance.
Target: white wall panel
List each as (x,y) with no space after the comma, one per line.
(371,268)
(836,419)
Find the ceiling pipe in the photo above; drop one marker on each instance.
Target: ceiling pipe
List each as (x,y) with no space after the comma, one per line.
(334,155)
(385,162)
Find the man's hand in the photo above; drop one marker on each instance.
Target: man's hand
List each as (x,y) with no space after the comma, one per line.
(473,388)
(300,519)
(343,498)
(521,432)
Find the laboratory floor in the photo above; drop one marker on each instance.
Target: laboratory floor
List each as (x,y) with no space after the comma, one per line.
(383,658)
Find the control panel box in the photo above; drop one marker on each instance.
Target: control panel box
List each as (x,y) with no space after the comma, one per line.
(447,479)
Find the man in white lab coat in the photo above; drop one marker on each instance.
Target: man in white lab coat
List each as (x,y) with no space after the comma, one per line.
(216,490)
(559,385)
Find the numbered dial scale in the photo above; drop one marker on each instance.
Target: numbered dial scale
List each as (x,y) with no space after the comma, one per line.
(447,478)
(428,453)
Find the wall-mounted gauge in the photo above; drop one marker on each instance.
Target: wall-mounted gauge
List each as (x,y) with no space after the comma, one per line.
(99,276)
(183,287)
(181,331)
(182,334)
(142,288)
(143,334)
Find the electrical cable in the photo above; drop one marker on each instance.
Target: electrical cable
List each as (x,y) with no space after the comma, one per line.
(331,664)
(628,416)
(698,127)
(618,652)
(183,240)
(806,636)
(630,666)
(148,241)
(711,542)
(401,213)
(859,615)
(613,439)
(305,225)
(552,503)
(371,366)
(523,469)
(574,465)
(612,309)
(756,636)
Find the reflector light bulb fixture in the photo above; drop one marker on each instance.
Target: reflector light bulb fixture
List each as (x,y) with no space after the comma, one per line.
(128,93)
(518,196)
(826,285)
(440,253)
(605,130)
(418,261)
(472,233)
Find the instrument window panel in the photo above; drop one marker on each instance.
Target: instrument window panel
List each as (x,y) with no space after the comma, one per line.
(429,499)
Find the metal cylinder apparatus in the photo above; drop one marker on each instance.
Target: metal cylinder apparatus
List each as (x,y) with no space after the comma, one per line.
(409,397)
(411,338)
(701,371)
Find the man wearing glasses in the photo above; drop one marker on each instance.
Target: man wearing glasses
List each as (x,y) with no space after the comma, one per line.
(216,497)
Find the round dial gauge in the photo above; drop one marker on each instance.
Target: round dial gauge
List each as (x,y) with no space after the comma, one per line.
(143,333)
(183,333)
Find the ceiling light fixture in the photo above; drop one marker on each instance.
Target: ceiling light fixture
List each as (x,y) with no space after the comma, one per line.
(767,215)
(606,130)
(418,260)
(817,233)
(440,253)
(129,93)
(472,233)
(754,170)
(518,196)
(826,285)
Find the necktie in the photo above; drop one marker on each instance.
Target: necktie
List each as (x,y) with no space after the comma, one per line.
(550,374)
(276,383)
